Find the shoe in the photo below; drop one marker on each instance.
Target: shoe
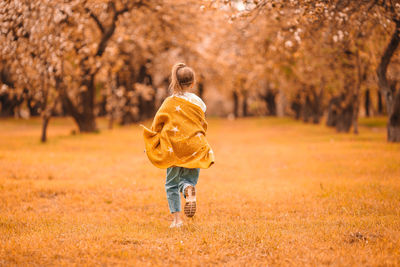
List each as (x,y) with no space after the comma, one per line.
(176,225)
(190,205)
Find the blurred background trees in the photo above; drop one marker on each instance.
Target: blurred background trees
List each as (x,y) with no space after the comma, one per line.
(330,61)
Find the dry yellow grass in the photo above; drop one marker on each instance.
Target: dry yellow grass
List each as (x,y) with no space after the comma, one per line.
(281,193)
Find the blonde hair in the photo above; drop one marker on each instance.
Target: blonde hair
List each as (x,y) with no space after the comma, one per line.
(182,77)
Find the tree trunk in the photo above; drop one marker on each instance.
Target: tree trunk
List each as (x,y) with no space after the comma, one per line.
(345,118)
(34,107)
(7,106)
(355,114)
(296,106)
(312,107)
(391,97)
(147,107)
(270,100)
(128,118)
(380,104)
(333,110)
(86,124)
(356,96)
(85,120)
(111,120)
(367,102)
(45,123)
(245,108)
(235,104)
(7,103)
(317,104)
(341,113)
(46,114)
(102,111)
(394,120)
(306,110)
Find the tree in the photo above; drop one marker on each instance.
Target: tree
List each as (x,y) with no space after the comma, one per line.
(63,46)
(340,28)
(392,96)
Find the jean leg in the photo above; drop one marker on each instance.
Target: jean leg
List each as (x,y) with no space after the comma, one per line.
(188,177)
(172,189)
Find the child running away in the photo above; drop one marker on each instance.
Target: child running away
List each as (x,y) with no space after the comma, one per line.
(177,142)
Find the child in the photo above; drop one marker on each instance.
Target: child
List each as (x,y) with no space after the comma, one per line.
(176,141)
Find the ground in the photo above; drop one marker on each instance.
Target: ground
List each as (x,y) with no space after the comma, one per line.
(282,193)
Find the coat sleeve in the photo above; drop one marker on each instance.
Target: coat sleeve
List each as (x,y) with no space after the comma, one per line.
(157,126)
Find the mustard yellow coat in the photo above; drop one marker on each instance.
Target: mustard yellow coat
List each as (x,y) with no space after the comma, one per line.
(178,136)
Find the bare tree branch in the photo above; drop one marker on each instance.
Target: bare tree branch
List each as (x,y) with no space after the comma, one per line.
(96,19)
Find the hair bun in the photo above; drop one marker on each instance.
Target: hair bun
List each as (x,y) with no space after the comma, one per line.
(181,77)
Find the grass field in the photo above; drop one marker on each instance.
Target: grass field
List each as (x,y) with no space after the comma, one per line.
(281,193)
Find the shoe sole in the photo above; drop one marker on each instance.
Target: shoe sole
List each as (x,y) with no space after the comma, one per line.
(190,205)
(176,225)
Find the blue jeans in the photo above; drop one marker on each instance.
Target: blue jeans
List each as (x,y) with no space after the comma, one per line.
(178,178)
